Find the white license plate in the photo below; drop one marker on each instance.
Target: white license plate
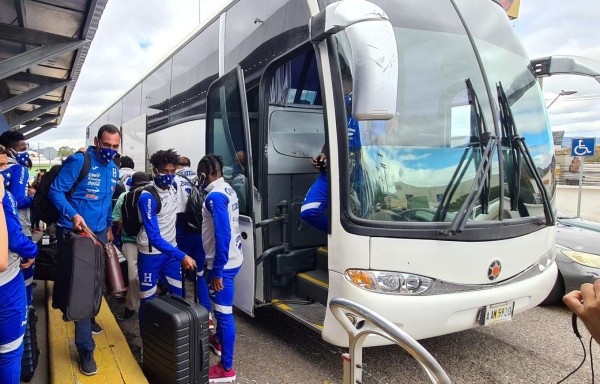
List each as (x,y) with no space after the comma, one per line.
(497,313)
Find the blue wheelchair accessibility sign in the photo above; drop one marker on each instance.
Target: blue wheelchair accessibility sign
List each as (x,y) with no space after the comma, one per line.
(583,147)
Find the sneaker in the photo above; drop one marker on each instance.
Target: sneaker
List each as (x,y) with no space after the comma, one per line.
(217,374)
(214,345)
(211,325)
(128,313)
(87,364)
(96,328)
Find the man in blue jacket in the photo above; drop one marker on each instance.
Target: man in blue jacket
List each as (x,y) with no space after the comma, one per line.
(13,303)
(18,176)
(158,255)
(89,205)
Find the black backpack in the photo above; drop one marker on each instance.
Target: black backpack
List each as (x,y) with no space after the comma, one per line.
(129,210)
(42,206)
(193,209)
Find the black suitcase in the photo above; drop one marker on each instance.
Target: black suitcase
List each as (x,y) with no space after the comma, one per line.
(45,262)
(31,352)
(175,341)
(80,279)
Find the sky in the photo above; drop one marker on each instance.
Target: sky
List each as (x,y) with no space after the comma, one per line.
(134,35)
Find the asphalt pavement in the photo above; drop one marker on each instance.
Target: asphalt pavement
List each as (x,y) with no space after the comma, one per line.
(536,347)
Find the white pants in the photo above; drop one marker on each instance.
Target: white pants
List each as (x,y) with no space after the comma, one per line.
(132,301)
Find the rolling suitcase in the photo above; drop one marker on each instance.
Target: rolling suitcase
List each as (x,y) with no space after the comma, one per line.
(175,341)
(31,352)
(79,286)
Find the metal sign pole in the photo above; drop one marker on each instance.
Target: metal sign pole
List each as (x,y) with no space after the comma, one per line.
(582,159)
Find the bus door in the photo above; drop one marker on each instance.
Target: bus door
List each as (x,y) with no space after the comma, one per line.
(228,135)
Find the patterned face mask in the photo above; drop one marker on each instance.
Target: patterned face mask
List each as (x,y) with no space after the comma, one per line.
(164,181)
(107,154)
(22,158)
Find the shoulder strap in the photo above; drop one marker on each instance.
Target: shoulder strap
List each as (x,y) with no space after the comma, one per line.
(85,169)
(154,193)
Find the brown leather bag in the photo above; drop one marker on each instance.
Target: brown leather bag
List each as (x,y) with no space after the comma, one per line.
(114,277)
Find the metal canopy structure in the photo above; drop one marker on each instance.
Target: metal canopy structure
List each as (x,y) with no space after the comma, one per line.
(43,44)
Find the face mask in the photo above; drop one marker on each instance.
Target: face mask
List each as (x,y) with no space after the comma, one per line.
(22,158)
(107,154)
(164,181)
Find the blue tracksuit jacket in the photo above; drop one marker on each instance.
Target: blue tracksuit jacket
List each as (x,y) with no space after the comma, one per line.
(92,198)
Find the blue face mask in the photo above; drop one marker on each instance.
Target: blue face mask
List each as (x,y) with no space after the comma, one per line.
(107,154)
(22,158)
(164,181)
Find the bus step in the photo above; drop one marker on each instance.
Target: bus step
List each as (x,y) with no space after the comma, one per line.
(311,315)
(322,258)
(313,285)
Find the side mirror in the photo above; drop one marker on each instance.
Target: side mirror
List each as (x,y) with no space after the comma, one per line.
(566,65)
(374,54)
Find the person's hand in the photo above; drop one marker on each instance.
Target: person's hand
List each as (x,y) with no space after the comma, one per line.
(216,284)
(585,303)
(314,161)
(188,263)
(109,235)
(78,223)
(1,187)
(30,191)
(27,264)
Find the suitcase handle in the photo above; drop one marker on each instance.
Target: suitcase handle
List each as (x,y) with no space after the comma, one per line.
(195,281)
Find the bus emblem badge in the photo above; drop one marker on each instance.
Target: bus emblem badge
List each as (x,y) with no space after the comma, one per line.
(494,270)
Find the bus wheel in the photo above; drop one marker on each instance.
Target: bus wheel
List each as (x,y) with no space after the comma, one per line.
(557,292)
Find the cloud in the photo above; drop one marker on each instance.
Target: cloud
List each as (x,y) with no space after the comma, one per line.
(132,37)
(556,27)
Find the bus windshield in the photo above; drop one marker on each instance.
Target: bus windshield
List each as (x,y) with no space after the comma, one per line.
(421,165)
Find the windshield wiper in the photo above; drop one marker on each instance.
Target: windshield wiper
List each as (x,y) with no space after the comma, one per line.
(486,143)
(519,150)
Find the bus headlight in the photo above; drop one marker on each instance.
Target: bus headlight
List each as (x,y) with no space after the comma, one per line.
(583,258)
(389,282)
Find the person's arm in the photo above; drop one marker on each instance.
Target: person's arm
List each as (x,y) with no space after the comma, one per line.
(147,206)
(217,204)
(117,216)
(18,186)
(3,232)
(585,303)
(62,184)
(18,242)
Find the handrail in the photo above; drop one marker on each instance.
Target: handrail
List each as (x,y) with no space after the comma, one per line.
(375,324)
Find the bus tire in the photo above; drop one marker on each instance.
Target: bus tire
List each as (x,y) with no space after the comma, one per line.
(556,293)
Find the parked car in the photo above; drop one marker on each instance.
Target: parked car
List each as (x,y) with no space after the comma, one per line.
(577,255)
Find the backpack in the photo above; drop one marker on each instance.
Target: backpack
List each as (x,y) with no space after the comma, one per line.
(129,210)
(119,189)
(43,207)
(193,209)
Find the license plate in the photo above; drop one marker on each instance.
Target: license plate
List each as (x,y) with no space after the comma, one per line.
(497,313)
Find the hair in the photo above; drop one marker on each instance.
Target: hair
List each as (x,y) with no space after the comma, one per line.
(127,162)
(111,129)
(210,165)
(9,138)
(3,150)
(117,160)
(184,161)
(162,157)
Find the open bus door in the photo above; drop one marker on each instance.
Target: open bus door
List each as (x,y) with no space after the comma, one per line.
(228,135)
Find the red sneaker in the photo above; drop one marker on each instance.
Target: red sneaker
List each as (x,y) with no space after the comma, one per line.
(217,374)
(214,345)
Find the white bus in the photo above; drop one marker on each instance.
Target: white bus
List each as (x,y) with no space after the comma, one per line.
(441,219)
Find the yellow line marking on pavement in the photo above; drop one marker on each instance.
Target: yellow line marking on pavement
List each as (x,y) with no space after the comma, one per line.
(116,364)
